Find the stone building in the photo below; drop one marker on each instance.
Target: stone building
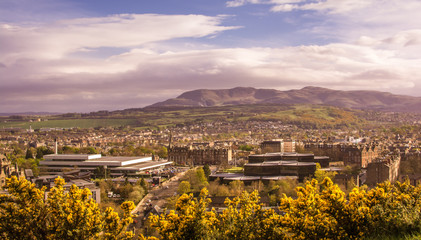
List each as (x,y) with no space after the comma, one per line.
(277,145)
(334,151)
(4,169)
(7,169)
(289,146)
(361,155)
(190,155)
(383,169)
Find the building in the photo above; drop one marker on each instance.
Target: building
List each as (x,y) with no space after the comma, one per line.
(113,166)
(273,146)
(298,157)
(7,169)
(4,169)
(190,155)
(280,168)
(289,146)
(361,155)
(383,169)
(278,145)
(276,166)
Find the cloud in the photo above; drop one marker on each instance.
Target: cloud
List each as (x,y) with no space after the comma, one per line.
(330,6)
(238,3)
(131,60)
(155,76)
(52,41)
(345,20)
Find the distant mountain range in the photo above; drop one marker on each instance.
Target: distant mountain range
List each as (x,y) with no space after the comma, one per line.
(372,100)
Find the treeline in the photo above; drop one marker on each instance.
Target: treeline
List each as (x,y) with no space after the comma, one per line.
(319,211)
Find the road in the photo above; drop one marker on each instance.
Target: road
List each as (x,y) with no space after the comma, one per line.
(156,197)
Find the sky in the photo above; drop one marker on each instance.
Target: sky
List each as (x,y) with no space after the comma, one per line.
(91,55)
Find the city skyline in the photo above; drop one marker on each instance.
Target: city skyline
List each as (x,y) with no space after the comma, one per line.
(81,56)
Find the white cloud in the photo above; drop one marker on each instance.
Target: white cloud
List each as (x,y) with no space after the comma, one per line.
(59,66)
(154,76)
(126,30)
(331,6)
(238,3)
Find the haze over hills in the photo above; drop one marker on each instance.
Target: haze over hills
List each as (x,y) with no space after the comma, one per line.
(30,114)
(373,100)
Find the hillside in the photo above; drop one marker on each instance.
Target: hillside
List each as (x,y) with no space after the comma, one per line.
(300,114)
(372,100)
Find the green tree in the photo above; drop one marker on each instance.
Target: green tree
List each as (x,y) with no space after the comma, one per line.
(144,185)
(29,153)
(201,177)
(184,188)
(247,148)
(207,171)
(320,175)
(162,152)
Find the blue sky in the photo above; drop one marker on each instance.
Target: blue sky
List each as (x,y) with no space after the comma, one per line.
(89,55)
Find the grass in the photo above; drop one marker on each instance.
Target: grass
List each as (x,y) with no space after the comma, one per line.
(234,170)
(80,123)
(414,236)
(148,118)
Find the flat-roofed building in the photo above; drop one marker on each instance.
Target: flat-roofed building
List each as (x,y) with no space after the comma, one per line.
(289,146)
(276,166)
(281,168)
(275,145)
(117,166)
(199,155)
(299,157)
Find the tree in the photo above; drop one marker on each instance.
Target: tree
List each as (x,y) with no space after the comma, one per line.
(320,211)
(196,178)
(29,153)
(320,175)
(25,214)
(201,177)
(29,164)
(184,188)
(207,171)
(143,184)
(190,220)
(247,148)
(41,151)
(163,152)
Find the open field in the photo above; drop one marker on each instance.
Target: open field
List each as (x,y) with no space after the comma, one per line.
(312,115)
(80,123)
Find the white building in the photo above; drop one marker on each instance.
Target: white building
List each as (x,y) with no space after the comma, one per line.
(116,166)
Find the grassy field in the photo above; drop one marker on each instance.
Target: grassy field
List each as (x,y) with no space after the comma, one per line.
(80,123)
(234,170)
(150,118)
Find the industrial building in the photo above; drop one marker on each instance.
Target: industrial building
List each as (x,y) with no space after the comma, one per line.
(114,166)
(276,166)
